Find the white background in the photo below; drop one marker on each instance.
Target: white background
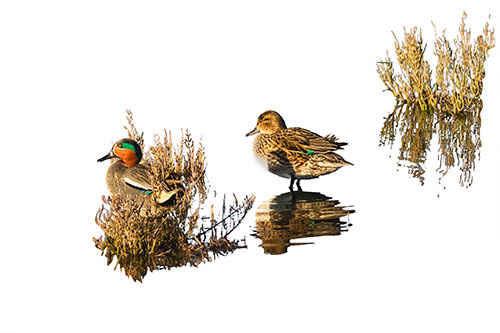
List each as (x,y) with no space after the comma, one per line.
(412,262)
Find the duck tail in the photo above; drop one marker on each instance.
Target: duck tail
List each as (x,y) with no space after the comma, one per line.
(168,198)
(172,193)
(333,139)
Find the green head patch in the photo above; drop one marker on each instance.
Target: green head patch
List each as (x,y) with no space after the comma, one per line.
(130,146)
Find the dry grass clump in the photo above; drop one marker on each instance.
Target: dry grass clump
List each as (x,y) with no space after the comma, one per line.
(144,238)
(458,80)
(450,105)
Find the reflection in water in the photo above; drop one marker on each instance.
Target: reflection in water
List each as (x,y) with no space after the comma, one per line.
(295,215)
(458,138)
(141,243)
(459,142)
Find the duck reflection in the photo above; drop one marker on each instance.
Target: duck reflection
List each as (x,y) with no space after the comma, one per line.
(296,215)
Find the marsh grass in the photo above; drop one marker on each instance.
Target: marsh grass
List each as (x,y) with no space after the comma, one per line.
(449,105)
(141,239)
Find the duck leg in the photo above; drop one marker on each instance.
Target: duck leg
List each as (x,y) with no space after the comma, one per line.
(292,180)
(298,185)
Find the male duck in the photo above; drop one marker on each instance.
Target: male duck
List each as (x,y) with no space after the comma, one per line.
(127,177)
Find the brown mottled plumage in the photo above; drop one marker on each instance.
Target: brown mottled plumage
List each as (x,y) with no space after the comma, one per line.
(295,153)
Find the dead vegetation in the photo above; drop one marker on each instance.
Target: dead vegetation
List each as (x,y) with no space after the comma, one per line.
(140,240)
(447,104)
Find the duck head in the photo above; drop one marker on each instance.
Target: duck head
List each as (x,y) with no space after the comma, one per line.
(268,123)
(127,150)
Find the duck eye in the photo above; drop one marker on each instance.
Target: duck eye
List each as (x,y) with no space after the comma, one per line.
(120,145)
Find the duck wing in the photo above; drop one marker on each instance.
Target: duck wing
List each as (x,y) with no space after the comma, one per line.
(303,141)
(138,177)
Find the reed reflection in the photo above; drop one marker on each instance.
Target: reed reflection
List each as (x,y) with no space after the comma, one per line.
(295,215)
(458,139)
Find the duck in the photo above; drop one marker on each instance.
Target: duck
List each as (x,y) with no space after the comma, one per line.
(295,153)
(126,176)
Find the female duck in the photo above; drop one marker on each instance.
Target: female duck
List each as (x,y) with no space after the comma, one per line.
(295,153)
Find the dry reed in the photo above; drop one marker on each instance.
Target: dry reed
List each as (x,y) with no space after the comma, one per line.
(450,106)
(142,240)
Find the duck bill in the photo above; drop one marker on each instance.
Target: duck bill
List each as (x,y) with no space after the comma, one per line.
(106,157)
(254,131)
